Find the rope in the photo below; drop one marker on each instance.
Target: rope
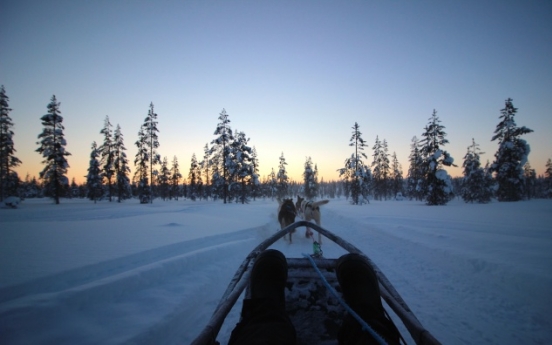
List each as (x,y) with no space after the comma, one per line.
(363,323)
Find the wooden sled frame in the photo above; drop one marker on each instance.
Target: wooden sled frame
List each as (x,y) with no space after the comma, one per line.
(241,280)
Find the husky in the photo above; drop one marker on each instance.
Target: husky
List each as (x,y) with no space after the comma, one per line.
(286,214)
(311,211)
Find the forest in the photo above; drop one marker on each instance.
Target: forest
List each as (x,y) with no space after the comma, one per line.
(229,169)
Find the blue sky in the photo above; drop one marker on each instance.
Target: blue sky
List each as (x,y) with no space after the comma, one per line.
(293,75)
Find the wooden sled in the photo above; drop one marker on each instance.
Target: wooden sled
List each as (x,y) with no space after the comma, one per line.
(315,312)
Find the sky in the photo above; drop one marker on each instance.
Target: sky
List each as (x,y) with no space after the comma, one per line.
(293,75)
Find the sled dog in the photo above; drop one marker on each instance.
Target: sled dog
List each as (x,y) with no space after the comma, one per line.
(311,211)
(287,214)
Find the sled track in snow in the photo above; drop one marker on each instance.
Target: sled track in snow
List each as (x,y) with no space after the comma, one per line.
(152,286)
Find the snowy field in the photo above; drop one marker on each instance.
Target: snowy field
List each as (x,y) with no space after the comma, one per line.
(85,273)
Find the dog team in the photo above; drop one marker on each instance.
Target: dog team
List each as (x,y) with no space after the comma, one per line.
(308,210)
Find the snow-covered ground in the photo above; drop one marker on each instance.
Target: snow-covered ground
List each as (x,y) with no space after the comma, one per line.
(108,273)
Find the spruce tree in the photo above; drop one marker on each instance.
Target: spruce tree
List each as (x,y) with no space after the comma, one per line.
(476,184)
(8,161)
(194,179)
(52,148)
(106,153)
(511,156)
(282,184)
(94,177)
(273,184)
(222,145)
(152,144)
(396,176)
(141,162)
(437,183)
(415,178)
(255,190)
(206,169)
(241,166)
(310,180)
(356,176)
(175,179)
(120,166)
(380,169)
(163,178)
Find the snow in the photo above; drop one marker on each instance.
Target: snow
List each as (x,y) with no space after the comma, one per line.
(109,273)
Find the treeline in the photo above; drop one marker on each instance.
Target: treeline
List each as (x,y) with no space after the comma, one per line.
(228,169)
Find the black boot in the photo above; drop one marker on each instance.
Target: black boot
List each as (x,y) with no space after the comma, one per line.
(269,277)
(264,319)
(360,288)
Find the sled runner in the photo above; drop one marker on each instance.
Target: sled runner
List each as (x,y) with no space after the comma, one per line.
(315,312)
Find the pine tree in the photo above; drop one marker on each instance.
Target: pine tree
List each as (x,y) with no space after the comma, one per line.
(175,179)
(310,181)
(437,183)
(106,153)
(120,166)
(255,190)
(241,168)
(94,177)
(273,184)
(476,184)
(206,168)
(141,162)
(282,186)
(511,156)
(52,148)
(222,145)
(380,169)
(163,178)
(396,176)
(152,143)
(414,180)
(8,178)
(356,176)
(194,179)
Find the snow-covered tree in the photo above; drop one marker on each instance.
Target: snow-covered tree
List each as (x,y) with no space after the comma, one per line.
(106,154)
(415,178)
(282,186)
(222,147)
(511,156)
(152,143)
(380,170)
(355,174)
(310,180)
(437,182)
(94,177)
(255,190)
(194,179)
(52,148)
(273,184)
(396,176)
(241,167)
(141,162)
(120,166)
(163,178)
(206,171)
(8,161)
(175,179)
(476,184)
